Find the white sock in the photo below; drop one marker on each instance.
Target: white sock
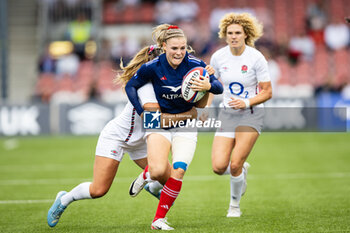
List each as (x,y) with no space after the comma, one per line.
(236,189)
(155,186)
(78,193)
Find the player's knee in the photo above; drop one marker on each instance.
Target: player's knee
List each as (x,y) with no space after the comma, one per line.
(98,192)
(157,173)
(179,169)
(219,170)
(178,173)
(235,167)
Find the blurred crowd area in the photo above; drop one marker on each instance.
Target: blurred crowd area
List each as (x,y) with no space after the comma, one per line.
(306,43)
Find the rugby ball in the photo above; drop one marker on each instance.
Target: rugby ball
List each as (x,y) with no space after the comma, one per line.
(187,93)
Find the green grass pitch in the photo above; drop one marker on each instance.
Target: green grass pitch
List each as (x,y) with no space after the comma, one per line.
(298,182)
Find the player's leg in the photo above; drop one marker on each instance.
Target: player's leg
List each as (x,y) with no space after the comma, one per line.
(152,186)
(221,153)
(223,143)
(183,149)
(158,150)
(104,173)
(108,155)
(142,163)
(139,156)
(245,140)
(158,169)
(105,170)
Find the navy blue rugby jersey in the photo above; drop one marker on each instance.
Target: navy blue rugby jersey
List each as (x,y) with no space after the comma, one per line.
(167,83)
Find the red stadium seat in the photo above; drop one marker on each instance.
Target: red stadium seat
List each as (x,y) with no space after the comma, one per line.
(259,3)
(109,14)
(340,65)
(303,73)
(65,83)
(147,13)
(129,14)
(286,71)
(45,86)
(320,67)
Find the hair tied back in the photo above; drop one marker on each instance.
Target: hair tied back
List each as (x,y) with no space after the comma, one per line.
(151,49)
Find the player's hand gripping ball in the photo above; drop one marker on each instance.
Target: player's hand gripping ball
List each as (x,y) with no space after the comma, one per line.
(188,94)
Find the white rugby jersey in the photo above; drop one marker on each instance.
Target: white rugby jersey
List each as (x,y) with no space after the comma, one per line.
(128,126)
(240,75)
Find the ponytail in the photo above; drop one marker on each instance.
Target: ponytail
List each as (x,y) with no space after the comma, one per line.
(146,54)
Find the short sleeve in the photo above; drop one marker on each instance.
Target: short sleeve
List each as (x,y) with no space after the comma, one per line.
(214,64)
(262,70)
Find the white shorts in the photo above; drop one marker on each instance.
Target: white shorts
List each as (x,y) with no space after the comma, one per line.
(231,119)
(115,149)
(183,145)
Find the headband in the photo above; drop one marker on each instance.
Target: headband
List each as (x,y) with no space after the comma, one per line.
(173,27)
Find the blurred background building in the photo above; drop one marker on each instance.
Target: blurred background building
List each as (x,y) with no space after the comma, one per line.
(57,52)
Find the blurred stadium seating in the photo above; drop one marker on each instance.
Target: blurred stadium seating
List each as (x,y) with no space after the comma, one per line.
(61,72)
(113,19)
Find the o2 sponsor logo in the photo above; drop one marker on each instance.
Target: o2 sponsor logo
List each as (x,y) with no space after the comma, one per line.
(237,88)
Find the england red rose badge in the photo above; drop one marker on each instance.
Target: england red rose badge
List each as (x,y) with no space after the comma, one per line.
(244,69)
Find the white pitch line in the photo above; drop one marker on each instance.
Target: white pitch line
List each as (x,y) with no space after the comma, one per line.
(289,176)
(188,178)
(42,181)
(24,201)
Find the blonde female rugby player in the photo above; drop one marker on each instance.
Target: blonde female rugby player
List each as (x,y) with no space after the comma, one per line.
(166,74)
(122,134)
(244,74)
